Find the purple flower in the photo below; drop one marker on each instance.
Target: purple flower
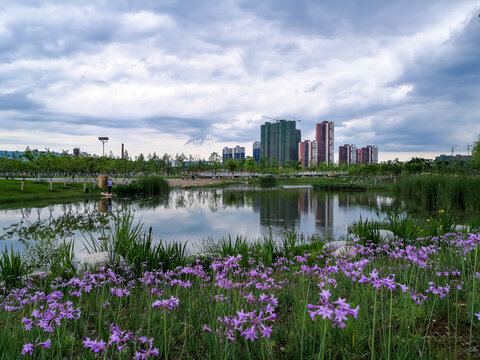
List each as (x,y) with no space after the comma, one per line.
(206,328)
(28,323)
(266,331)
(95,346)
(478,316)
(249,333)
(321,310)
(171,303)
(28,348)
(45,344)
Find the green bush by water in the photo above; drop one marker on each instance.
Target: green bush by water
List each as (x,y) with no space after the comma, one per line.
(267,181)
(145,186)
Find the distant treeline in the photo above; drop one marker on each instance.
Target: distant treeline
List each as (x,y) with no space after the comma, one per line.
(46,163)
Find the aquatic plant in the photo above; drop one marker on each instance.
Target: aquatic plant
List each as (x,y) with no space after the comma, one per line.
(144,186)
(268,181)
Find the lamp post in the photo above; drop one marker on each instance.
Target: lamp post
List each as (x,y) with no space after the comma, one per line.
(125,165)
(103,139)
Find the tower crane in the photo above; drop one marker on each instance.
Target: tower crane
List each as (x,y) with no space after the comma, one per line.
(456,146)
(277,119)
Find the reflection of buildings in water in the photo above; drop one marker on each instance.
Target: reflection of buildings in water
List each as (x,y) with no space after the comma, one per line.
(279,212)
(323,204)
(304,200)
(345,201)
(379,202)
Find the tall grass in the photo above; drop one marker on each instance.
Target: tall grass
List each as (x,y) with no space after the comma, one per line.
(129,242)
(404,227)
(12,268)
(455,193)
(366,230)
(146,186)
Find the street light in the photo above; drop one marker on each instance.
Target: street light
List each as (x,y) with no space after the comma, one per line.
(103,139)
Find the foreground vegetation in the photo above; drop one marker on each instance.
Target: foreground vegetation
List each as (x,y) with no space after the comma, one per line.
(290,298)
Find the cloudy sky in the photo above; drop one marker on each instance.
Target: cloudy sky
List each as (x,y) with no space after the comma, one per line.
(195,76)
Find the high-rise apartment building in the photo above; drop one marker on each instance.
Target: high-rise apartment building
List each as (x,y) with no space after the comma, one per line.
(279,141)
(347,154)
(256,151)
(308,152)
(324,135)
(367,155)
(227,153)
(239,152)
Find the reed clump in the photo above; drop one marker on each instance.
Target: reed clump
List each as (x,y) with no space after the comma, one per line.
(268,181)
(459,193)
(144,186)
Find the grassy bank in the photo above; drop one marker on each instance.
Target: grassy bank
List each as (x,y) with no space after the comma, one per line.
(331,185)
(287,298)
(217,185)
(37,192)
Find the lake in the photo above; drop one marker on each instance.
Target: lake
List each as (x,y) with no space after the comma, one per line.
(199,214)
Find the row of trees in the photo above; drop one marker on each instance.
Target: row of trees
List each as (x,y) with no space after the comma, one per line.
(46,163)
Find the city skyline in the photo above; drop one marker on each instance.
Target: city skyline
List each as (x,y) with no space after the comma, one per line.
(195,77)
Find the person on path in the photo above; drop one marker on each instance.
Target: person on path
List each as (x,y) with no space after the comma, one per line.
(109,185)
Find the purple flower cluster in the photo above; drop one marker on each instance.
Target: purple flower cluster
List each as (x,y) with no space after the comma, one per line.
(438,290)
(249,324)
(171,303)
(51,316)
(336,311)
(29,348)
(120,340)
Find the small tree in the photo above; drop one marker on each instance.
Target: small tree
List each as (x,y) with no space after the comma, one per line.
(476,152)
(232,165)
(250,165)
(215,161)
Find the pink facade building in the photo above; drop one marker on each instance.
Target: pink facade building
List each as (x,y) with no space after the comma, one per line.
(367,155)
(307,152)
(347,154)
(324,135)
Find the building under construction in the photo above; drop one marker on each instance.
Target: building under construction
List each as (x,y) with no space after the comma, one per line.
(279,141)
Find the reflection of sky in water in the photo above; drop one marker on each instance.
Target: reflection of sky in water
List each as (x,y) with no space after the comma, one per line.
(196,215)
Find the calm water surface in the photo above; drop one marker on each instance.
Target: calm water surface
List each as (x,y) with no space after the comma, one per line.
(196,215)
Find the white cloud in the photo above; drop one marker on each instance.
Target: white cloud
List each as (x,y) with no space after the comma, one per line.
(145,71)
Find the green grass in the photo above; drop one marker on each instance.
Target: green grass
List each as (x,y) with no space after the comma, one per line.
(35,192)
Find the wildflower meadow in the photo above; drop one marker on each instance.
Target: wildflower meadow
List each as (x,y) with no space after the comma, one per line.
(405,299)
